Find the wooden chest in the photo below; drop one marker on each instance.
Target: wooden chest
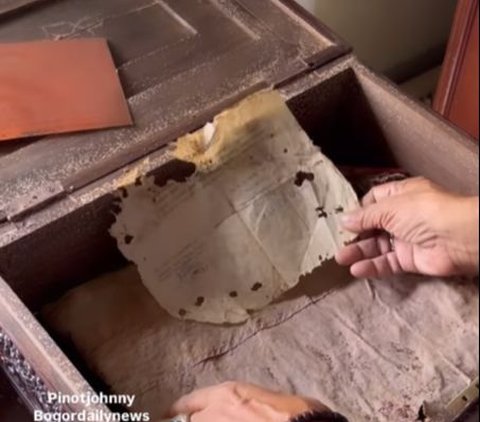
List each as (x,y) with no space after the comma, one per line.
(180,62)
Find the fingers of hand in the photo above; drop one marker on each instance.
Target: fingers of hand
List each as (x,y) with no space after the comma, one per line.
(363,249)
(372,257)
(286,403)
(380,203)
(201,399)
(217,413)
(253,411)
(382,266)
(371,217)
(229,393)
(188,404)
(377,193)
(214,413)
(240,397)
(401,187)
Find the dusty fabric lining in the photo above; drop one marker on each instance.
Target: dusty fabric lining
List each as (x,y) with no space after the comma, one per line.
(373,350)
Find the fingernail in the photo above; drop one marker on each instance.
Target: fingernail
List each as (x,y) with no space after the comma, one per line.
(349,218)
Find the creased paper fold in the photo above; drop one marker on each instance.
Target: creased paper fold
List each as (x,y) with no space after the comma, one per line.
(261,210)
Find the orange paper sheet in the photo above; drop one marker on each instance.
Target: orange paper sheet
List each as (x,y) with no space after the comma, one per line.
(51,87)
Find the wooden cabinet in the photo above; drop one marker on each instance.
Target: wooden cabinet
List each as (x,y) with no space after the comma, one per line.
(457,92)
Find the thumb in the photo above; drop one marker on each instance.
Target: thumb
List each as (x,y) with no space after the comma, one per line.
(371,217)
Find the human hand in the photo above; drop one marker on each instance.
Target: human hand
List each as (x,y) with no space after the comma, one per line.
(238,402)
(434,232)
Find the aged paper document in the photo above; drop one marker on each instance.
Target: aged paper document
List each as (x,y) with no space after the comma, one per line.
(261,210)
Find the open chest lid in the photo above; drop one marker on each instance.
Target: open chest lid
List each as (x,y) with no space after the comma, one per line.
(180,63)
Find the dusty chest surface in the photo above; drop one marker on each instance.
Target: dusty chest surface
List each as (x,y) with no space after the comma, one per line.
(162,49)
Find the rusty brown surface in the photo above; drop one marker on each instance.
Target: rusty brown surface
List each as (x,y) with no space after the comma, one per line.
(457,92)
(58,86)
(464,105)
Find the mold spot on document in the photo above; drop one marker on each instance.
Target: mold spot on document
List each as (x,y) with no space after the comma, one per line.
(257,286)
(301,176)
(116,208)
(321,213)
(124,192)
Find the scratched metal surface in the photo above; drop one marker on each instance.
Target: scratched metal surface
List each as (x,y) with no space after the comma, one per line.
(176,59)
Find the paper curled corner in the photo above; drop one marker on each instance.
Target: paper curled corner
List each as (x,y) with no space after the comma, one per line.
(221,139)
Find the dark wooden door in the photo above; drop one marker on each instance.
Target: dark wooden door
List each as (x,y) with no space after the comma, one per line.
(457,92)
